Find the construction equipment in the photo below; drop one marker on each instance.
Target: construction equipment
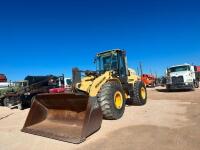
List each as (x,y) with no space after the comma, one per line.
(27,89)
(10,90)
(149,80)
(101,93)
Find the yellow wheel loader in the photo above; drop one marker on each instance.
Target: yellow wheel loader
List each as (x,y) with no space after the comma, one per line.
(97,94)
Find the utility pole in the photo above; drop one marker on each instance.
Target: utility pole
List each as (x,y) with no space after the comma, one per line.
(138,71)
(141,71)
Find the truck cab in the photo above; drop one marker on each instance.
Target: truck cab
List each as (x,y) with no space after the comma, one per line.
(181,77)
(68,83)
(65,85)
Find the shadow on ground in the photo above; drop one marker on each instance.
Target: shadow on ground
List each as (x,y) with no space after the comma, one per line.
(177,90)
(148,137)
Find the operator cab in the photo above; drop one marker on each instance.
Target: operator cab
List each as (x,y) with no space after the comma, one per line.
(113,60)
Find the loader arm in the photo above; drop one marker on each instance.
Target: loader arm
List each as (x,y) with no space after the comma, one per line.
(92,85)
(98,82)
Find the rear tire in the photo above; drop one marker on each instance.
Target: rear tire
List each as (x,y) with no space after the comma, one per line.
(6,102)
(196,84)
(107,100)
(1,102)
(139,94)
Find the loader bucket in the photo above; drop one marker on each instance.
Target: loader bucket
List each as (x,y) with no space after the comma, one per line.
(65,117)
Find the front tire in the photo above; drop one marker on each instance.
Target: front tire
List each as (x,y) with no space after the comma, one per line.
(111,99)
(168,88)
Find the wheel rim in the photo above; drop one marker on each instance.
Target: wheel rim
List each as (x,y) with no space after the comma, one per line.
(118,100)
(143,93)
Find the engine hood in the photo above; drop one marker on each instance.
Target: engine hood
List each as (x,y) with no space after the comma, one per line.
(187,76)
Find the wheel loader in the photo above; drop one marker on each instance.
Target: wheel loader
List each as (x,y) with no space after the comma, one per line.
(103,93)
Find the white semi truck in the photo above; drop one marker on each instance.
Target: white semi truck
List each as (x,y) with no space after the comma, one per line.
(182,77)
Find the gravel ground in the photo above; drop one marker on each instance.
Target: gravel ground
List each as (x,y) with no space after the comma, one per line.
(169,121)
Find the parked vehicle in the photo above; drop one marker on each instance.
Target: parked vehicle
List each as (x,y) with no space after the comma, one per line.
(65,85)
(25,94)
(197,73)
(13,88)
(183,76)
(149,80)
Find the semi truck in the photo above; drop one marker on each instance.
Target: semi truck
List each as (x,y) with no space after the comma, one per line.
(185,76)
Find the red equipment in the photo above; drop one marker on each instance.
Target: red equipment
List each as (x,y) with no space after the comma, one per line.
(57,90)
(3,78)
(148,79)
(198,68)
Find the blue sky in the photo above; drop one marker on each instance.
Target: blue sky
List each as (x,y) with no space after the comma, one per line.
(51,37)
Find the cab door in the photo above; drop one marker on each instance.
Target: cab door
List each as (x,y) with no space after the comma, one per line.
(122,68)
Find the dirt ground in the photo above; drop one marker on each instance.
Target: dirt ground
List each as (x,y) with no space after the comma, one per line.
(169,121)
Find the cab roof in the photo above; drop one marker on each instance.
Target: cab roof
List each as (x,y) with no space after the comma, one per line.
(110,51)
(185,64)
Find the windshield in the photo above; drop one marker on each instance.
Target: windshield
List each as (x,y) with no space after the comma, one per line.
(106,62)
(179,68)
(69,81)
